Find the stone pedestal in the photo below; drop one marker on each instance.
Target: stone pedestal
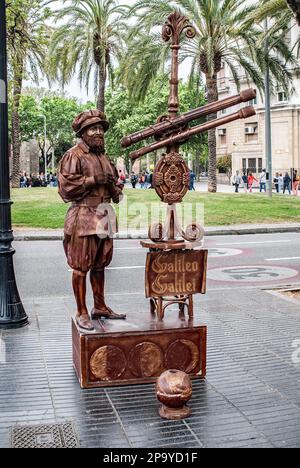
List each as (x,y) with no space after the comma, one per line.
(138,350)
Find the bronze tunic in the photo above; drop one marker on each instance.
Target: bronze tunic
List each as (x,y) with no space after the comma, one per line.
(85,219)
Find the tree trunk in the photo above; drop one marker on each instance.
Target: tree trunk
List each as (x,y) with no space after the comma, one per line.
(15,129)
(197,164)
(101,94)
(212,96)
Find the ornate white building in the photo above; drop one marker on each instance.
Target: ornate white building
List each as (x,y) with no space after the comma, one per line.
(245,140)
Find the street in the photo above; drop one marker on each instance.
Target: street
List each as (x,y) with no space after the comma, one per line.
(250,397)
(249,261)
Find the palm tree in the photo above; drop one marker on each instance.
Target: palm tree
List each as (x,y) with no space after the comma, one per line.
(282,12)
(89,40)
(27,37)
(286,7)
(225,34)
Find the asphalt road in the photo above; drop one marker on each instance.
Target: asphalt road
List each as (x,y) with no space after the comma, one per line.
(234,262)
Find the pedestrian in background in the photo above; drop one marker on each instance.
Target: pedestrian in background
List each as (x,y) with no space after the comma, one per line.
(122,178)
(280,182)
(296,181)
(251,179)
(263,181)
(143,180)
(237,180)
(287,183)
(245,181)
(148,179)
(192,180)
(276,181)
(23,180)
(133,180)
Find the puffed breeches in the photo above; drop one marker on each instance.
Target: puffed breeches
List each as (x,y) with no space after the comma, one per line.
(85,253)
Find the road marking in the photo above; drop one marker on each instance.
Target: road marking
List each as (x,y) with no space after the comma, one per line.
(251,274)
(257,242)
(283,258)
(120,268)
(214,252)
(128,248)
(138,247)
(126,268)
(217,253)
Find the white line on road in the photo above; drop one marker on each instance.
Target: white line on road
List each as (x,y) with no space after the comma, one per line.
(121,268)
(128,248)
(279,259)
(126,268)
(260,242)
(138,247)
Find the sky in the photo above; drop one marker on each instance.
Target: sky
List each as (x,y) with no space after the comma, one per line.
(73,88)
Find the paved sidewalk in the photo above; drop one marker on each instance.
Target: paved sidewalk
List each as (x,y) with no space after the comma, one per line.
(241,229)
(251,397)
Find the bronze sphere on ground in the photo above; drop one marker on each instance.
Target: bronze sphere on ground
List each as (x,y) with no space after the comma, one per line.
(174,390)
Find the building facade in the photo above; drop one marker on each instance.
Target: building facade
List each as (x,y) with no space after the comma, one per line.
(29,157)
(244,140)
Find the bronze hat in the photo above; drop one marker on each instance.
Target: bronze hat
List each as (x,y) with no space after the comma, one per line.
(87,118)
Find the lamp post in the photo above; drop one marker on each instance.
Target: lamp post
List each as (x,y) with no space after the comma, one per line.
(268,136)
(45,138)
(53,160)
(12,313)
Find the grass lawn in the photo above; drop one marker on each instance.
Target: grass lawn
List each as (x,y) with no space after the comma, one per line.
(43,208)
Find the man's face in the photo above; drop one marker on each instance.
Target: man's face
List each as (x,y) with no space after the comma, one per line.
(94,137)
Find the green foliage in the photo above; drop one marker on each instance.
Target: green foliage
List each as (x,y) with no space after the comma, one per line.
(88,42)
(59,111)
(126,116)
(43,208)
(27,37)
(282,22)
(226,31)
(225,163)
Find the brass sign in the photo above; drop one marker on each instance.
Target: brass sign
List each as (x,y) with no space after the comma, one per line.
(176,273)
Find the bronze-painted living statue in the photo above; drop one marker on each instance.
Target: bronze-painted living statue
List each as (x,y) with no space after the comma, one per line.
(88,179)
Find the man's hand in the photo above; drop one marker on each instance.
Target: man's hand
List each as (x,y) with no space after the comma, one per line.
(105,179)
(117,196)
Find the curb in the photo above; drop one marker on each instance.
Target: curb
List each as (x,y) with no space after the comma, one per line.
(213,231)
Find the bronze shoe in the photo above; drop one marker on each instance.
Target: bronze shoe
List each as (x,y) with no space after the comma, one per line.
(84,322)
(106,313)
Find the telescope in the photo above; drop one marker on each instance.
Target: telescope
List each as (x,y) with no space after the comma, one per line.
(171,177)
(183,136)
(178,123)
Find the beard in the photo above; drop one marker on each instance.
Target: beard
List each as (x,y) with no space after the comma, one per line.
(95,144)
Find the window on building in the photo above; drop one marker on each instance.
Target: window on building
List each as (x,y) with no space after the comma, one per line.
(244,165)
(222,136)
(222,78)
(281,96)
(253,102)
(252,164)
(251,132)
(260,168)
